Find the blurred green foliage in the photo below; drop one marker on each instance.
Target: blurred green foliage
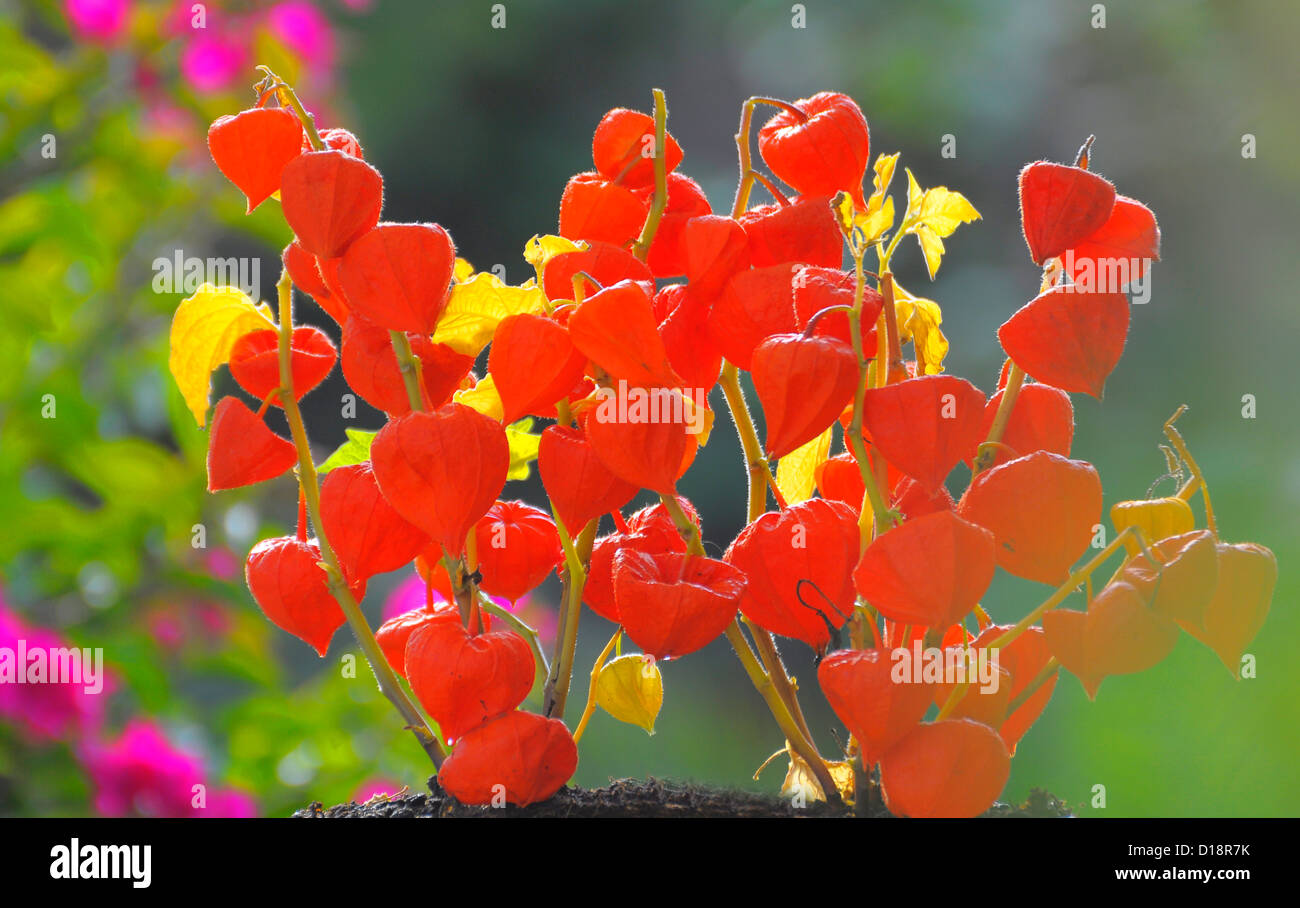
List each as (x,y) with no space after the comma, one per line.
(479,129)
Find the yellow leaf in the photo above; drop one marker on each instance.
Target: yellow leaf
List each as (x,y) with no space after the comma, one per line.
(884,168)
(931,248)
(801,784)
(794,473)
(523,447)
(204,330)
(842,206)
(482,397)
(463,271)
(918,321)
(943,210)
(873,224)
(541,249)
(476,308)
(914,196)
(631,689)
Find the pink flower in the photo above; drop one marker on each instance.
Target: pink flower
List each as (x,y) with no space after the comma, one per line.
(141,773)
(47,712)
(302,28)
(212,63)
(230,802)
(222,563)
(409,594)
(102,21)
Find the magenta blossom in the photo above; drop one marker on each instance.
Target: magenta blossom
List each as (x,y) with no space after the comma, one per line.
(143,773)
(47,711)
(212,63)
(101,21)
(303,28)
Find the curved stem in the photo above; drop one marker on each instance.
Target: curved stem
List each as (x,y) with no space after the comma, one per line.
(410,366)
(756,465)
(384,675)
(590,708)
(986,456)
(642,246)
(556,694)
(520,627)
(793,734)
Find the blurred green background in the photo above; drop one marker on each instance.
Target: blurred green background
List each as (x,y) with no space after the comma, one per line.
(479,128)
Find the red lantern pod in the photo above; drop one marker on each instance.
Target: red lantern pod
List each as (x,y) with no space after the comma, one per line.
(642,436)
(954,768)
(623,148)
(442,470)
(604,263)
(912,500)
(1024,658)
(1184,582)
(671,605)
(1118,635)
(800,565)
(1041,509)
(598,593)
(1068,338)
(984,704)
(399,275)
(329,199)
(925,426)
(255,361)
(306,275)
(715,248)
(523,755)
(686,200)
(755,305)
(517,547)
(534,364)
(366,532)
(879,712)
(817,288)
(1121,248)
(839,479)
(1042,419)
(931,571)
(803,383)
(286,581)
(242,450)
(616,330)
(252,148)
(338,139)
(1061,205)
(691,351)
(825,151)
(393,634)
(655,520)
(1247,576)
(802,231)
(577,482)
(370,367)
(592,208)
(462,679)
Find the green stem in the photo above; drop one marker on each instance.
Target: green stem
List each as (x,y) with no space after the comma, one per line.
(793,734)
(642,246)
(523,629)
(1015,381)
(1063,592)
(556,695)
(307,479)
(1050,668)
(410,367)
(757,468)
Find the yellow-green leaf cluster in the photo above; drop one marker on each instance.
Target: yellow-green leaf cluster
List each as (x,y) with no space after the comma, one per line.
(204,329)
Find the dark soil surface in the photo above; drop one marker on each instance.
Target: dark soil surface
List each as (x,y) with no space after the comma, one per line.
(649,798)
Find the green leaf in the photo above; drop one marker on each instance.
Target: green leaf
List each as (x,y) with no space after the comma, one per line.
(353,451)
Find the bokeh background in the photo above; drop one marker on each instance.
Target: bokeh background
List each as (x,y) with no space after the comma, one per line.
(479,128)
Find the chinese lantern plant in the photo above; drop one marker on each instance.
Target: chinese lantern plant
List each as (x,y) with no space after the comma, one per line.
(643,301)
